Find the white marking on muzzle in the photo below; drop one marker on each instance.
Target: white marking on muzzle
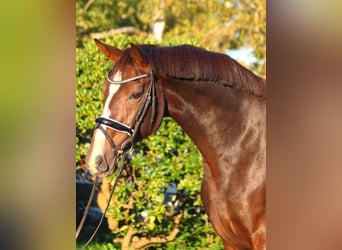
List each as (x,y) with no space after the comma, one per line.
(99,137)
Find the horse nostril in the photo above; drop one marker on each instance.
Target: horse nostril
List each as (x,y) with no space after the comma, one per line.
(101,164)
(98,160)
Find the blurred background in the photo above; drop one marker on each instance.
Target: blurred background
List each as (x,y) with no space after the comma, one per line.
(217,25)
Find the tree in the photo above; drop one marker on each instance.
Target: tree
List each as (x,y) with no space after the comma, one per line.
(216,25)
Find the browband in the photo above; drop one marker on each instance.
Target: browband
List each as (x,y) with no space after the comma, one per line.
(127,80)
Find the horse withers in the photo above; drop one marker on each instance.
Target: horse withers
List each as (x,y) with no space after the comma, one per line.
(221,106)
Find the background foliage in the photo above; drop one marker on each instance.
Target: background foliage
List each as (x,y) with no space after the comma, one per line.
(217,25)
(147,208)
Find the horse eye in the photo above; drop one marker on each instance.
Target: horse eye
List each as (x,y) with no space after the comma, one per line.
(136,95)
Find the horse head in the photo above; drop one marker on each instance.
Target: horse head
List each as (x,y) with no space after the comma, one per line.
(133,107)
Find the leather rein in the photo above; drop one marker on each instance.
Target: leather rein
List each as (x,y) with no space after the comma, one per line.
(132,131)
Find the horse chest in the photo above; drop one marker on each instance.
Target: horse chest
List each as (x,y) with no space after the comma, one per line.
(229,211)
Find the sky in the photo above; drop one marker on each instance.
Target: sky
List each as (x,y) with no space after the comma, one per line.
(242,55)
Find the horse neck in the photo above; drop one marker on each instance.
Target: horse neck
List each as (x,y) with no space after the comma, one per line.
(212,115)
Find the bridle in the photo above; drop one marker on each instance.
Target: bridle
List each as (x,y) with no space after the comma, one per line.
(132,131)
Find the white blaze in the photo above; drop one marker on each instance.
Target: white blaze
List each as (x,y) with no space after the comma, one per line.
(99,137)
(113,88)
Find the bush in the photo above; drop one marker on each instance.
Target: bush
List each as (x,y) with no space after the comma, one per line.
(164,197)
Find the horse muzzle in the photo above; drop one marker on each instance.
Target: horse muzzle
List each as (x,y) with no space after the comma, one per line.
(100,166)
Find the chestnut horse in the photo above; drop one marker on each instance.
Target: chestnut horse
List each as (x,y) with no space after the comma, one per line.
(221,106)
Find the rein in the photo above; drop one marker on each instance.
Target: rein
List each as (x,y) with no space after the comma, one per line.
(123,158)
(86,211)
(132,131)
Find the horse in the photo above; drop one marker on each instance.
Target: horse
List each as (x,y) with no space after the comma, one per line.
(221,106)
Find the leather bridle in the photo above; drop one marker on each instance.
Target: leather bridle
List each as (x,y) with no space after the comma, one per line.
(132,131)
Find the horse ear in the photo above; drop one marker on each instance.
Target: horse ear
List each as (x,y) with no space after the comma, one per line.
(138,57)
(109,51)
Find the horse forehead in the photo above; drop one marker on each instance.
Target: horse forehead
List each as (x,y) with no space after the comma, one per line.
(113,88)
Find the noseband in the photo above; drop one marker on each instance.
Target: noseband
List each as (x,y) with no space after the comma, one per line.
(132,130)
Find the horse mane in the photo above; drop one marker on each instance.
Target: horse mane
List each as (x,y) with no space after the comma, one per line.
(191,63)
